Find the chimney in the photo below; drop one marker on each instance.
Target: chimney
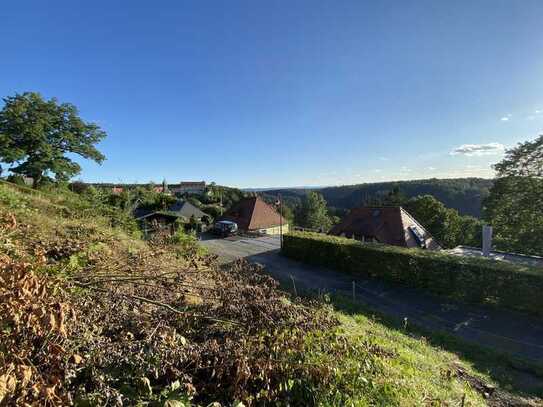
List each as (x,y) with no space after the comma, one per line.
(487,240)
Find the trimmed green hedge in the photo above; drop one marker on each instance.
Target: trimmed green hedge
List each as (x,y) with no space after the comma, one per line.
(465,279)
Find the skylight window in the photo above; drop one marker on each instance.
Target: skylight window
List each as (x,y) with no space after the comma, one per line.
(419,237)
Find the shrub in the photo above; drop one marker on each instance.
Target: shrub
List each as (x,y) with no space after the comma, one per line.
(187,242)
(473,280)
(214,211)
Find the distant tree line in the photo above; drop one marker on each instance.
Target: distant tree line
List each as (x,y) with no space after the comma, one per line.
(463,194)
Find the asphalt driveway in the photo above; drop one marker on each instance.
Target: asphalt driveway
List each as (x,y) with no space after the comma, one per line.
(235,247)
(504,331)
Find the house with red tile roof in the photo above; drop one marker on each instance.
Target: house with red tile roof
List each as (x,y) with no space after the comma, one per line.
(254,215)
(388,225)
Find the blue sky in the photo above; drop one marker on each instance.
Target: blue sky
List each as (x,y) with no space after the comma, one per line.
(277,93)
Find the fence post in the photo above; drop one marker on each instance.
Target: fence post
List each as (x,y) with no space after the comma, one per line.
(354,291)
(293,285)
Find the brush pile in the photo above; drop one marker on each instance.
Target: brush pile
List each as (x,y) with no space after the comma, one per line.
(100,324)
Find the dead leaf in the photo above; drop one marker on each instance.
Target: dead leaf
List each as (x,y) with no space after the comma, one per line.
(76,359)
(25,374)
(8,383)
(56,349)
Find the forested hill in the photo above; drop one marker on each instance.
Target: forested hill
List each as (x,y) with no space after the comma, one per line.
(463,194)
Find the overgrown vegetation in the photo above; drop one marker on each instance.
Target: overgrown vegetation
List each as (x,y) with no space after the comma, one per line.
(120,320)
(93,316)
(465,279)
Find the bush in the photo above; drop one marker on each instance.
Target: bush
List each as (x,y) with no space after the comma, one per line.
(465,279)
(187,242)
(214,211)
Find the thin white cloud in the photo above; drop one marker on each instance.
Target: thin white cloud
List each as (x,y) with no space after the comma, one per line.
(479,149)
(506,117)
(431,168)
(529,116)
(538,113)
(383,158)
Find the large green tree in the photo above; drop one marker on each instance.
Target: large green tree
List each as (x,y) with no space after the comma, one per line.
(525,160)
(313,212)
(445,224)
(37,134)
(515,205)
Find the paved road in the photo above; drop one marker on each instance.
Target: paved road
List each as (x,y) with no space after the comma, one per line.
(504,331)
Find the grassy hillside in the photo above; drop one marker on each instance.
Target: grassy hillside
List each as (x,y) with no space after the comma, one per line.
(92,315)
(462,194)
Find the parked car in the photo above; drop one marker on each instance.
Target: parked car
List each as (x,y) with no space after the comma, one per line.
(225,228)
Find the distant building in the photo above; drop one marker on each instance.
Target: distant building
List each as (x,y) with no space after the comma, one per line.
(188,188)
(255,215)
(388,225)
(117,190)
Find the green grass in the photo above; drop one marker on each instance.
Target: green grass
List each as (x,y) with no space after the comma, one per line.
(426,359)
(424,363)
(403,371)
